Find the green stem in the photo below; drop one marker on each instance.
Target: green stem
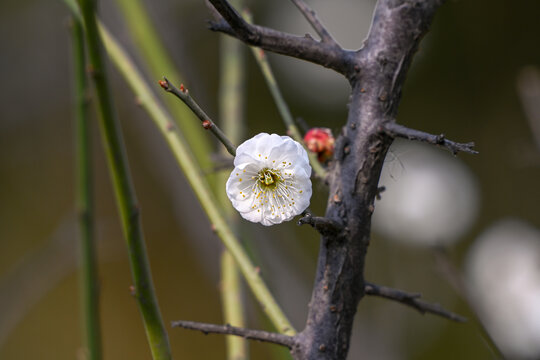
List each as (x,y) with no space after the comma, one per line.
(233,306)
(193,174)
(124,191)
(231,106)
(159,63)
(88,269)
(283,109)
(208,124)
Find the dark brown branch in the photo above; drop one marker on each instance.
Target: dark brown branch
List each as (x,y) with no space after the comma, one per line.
(323,225)
(397,28)
(396,130)
(207,123)
(412,300)
(312,18)
(327,54)
(275,338)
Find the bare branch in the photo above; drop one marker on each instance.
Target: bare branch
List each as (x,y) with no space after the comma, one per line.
(412,300)
(327,54)
(396,130)
(312,18)
(207,123)
(323,225)
(275,338)
(396,30)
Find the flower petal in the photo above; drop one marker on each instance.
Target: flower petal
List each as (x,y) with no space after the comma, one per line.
(284,164)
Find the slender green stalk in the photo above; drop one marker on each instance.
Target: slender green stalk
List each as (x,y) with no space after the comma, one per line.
(207,123)
(193,174)
(231,111)
(159,63)
(85,206)
(283,109)
(124,191)
(233,306)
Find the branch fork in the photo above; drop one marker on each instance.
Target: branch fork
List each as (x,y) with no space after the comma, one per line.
(323,225)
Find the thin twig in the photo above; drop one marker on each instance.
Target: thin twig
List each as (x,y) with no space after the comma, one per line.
(312,18)
(412,300)
(207,123)
(124,190)
(323,225)
(397,130)
(275,338)
(326,54)
(85,206)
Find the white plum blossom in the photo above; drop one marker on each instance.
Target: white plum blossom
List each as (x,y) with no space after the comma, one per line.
(270,182)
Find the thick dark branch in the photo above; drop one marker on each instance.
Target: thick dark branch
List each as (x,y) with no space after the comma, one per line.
(412,300)
(323,225)
(312,18)
(353,175)
(259,335)
(396,130)
(327,54)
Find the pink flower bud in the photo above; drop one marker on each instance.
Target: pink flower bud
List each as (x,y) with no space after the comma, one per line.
(320,141)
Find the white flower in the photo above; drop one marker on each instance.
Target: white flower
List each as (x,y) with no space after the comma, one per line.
(270,181)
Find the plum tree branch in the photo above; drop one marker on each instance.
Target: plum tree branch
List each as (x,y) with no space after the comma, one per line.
(396,130)
(312,18)
(325,53)
(275,338)
(412,300)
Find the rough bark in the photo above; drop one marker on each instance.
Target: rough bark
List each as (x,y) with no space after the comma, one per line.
(339,285)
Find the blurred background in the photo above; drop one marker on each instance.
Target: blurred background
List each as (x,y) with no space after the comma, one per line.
(464,231)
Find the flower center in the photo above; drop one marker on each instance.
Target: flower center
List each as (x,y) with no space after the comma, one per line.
(269,179)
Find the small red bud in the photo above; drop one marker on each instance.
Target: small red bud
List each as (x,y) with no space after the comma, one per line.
(320,141)
(182,88)
(163,84)
(207,124)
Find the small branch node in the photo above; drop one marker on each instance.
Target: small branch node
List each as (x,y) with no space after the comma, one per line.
(164,84)
(323,225)
(380,190)
(207,124)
